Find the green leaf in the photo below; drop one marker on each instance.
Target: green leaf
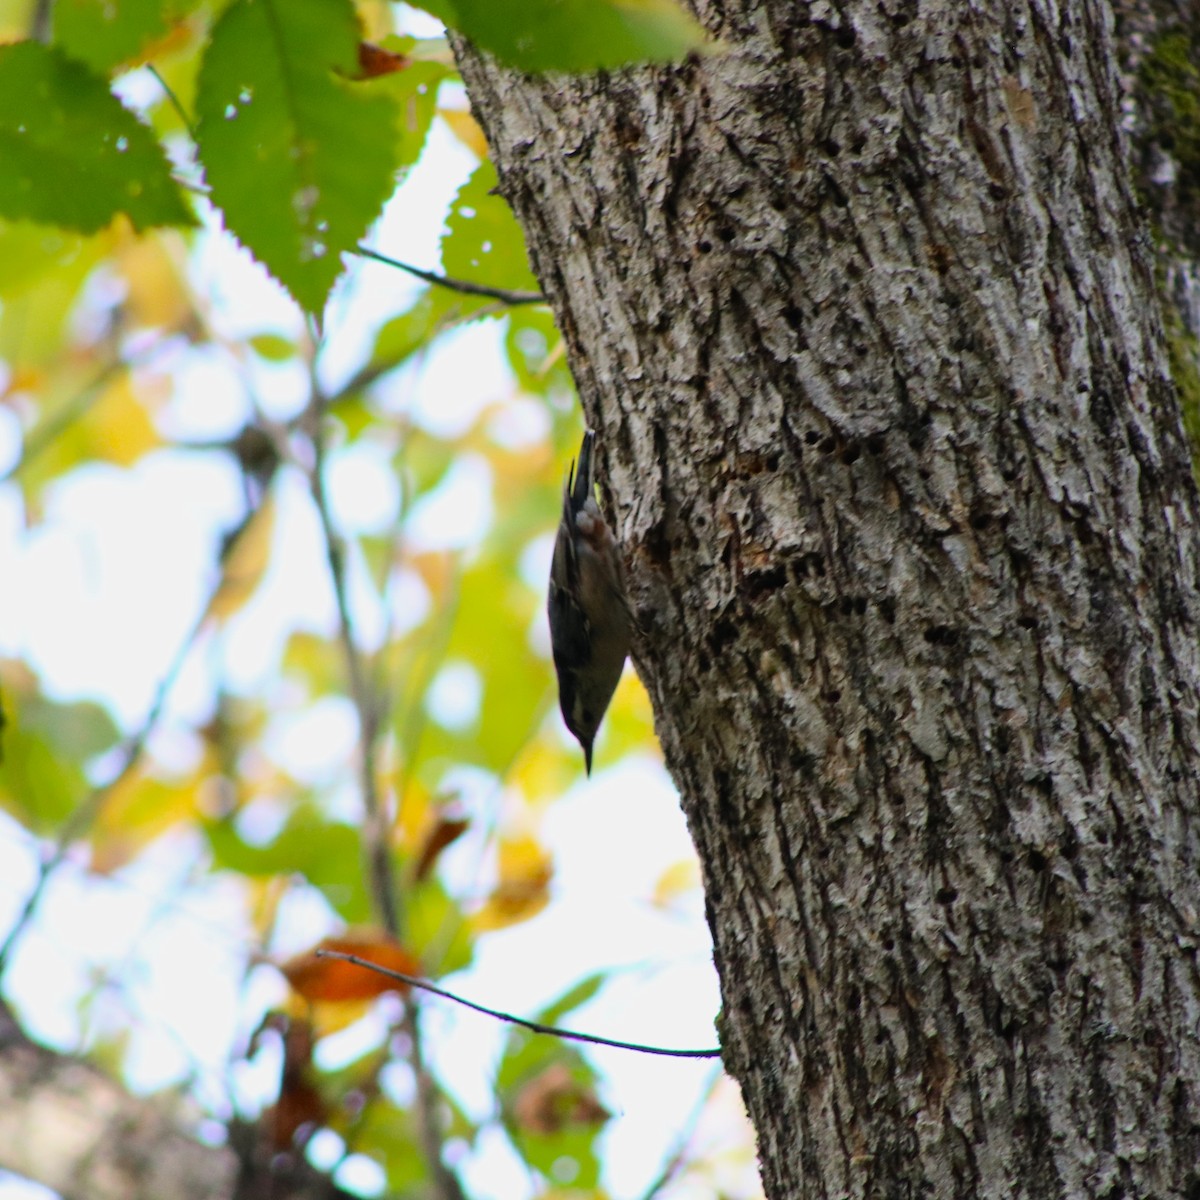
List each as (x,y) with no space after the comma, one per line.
(29,253)
(483,242)
(534,348)
(273,347)
(300,160)
(574,35)
(327,853)
(403,335)
(71,154)
(37,785)
(568,1154)
(79,731)
(42,270)
(390,1135)
(435,929)
(46,746)
(572,998)
(105,34)
(526,1053)
(415,91)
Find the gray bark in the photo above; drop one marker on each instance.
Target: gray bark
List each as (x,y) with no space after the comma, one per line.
(865,315)
(68,1126)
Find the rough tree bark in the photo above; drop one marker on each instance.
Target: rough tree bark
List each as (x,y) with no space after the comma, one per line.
(865,314)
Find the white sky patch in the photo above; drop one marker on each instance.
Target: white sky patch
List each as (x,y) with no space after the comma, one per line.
(363,492)
(105,591)
(445,389)
(519,424)
(314,743)
(455,696)
(456,513)
(408,600)
(207,401)
(358,1173)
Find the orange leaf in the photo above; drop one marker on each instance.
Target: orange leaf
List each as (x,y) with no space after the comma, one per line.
(445,831)
(320,979)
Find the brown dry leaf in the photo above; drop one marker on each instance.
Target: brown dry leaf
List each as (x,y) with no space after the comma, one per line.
(244,562)
(299,1103)
(333,979)
(523,890)
(552,1100)
(374,61)
(442,833)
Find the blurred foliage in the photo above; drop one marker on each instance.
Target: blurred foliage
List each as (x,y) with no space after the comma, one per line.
(133,143)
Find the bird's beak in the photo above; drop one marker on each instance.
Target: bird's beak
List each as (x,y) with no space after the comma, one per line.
(587,756)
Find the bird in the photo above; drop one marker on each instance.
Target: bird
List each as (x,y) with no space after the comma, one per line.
(591,621)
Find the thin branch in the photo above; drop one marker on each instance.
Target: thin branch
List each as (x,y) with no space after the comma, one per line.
(377,827)
(465,286)
(87,812)
(362,694)
(535,1026)
(43,434)
(39,24)
(678,1155)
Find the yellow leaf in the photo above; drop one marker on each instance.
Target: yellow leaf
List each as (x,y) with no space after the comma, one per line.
(676,881)
(138,809)
(109,425)
(523,888)
(244,562)
(415,815)
(156,295)
(436,569)
(629,724)
(466,129)
(544,769)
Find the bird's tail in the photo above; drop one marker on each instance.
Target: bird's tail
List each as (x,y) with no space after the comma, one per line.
(582,483)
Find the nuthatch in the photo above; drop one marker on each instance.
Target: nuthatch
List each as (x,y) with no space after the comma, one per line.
(590,618)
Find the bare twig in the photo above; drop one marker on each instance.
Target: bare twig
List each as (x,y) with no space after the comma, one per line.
(362,694)
(535,1026)
(87,812)
(465,286)
(678,1155)
(43,434)
(39,24)
(377,827)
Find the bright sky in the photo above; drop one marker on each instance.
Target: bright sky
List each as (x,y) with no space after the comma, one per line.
(99,598)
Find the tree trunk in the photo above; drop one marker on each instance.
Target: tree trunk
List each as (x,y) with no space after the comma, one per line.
(865,314)
(68,1126)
